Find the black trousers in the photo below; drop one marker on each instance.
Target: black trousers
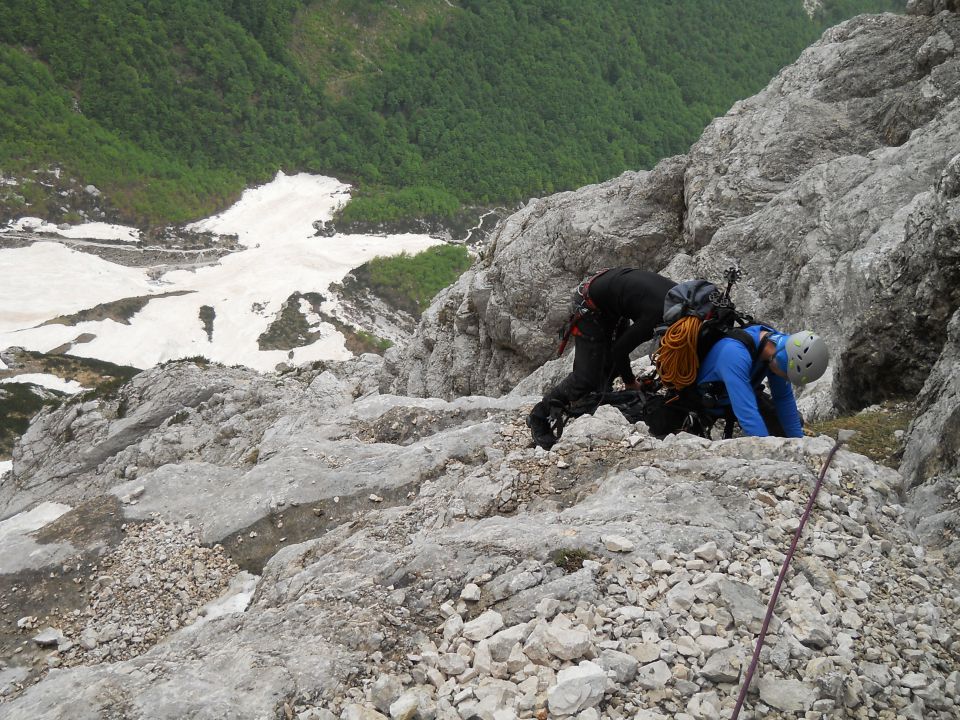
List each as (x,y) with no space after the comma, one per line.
(592,362)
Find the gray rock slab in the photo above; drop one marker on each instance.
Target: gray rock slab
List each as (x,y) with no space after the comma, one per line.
(787,695)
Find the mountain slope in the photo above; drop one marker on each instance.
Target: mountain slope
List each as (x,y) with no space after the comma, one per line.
(481,101)
(832,189)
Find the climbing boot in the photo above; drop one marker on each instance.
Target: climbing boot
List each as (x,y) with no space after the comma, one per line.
(540,429)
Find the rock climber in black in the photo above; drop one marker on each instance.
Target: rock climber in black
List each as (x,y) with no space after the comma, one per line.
(615,310)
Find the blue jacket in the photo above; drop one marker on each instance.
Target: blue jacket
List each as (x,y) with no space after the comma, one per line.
(729,362)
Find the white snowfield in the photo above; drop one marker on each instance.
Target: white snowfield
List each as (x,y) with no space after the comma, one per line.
(52,382)
(246,290)
(85,231)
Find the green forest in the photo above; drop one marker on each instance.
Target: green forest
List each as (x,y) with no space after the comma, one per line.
(171,107)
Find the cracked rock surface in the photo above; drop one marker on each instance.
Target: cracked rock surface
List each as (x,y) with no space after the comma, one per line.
(414,558)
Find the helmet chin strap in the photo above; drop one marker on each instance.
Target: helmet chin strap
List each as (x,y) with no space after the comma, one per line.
(776,339)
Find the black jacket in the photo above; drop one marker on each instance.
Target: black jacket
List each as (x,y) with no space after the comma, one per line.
(637,296)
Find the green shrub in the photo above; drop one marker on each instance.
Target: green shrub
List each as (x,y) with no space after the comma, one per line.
(409,281)
(569,559)
(372,343)
(392,205)
(18,404)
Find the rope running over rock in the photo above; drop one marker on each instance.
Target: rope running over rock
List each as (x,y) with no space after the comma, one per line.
(843,437)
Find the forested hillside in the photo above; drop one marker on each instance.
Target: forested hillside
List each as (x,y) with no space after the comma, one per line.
(171,106)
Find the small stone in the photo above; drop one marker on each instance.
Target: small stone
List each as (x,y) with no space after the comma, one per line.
(452,627)
(470,592)
(577,688)
(48,637)
(707,552)
(711,644)
(687,646)
(914,681)
(622,665)
(483,626)
(384,691)
(654,676)
(449,664)
(88,639)
(826,549)
(787,695)
(360,712)
(617,543)
(547,608)
(766,499)
(644,652)
(723,666)
(680,597)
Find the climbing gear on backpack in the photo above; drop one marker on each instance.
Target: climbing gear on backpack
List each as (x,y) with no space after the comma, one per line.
(677,360)
(582,306)
(696,316)
(803,356)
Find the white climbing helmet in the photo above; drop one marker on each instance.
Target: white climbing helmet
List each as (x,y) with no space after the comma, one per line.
(803,356)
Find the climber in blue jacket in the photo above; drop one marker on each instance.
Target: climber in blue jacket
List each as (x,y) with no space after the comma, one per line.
(730,377)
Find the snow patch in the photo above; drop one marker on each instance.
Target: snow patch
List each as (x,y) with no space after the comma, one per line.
(101,231)
(281,211)
(47,279)
(246,289)
(235,599)
(83,231)
(30,520)
(51,382)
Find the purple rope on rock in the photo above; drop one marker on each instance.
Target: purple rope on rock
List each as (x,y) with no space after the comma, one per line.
(783,573)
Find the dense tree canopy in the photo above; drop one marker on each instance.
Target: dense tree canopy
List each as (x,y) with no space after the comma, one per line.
(173,105)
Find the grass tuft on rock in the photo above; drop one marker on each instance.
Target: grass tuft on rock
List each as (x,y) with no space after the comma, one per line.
(570,559)
(879,430)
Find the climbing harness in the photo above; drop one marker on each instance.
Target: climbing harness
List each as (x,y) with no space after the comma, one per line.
(842,437)
(583,306)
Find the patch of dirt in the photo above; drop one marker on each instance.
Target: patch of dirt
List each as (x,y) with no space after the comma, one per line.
(89,372)
(406,425)
(118,310)
(50,593)
(19,403)
(291,328)
(253,546)
(207,315)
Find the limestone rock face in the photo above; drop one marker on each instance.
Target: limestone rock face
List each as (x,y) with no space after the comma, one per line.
(931,7)
(931,458)
(386,542)
(417,557)
(488,331)
(933,446)
(833,189)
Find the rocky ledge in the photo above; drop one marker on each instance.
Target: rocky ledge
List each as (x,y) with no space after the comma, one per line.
(382,556)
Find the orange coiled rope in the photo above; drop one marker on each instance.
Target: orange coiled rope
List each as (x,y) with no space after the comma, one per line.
(676,360)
